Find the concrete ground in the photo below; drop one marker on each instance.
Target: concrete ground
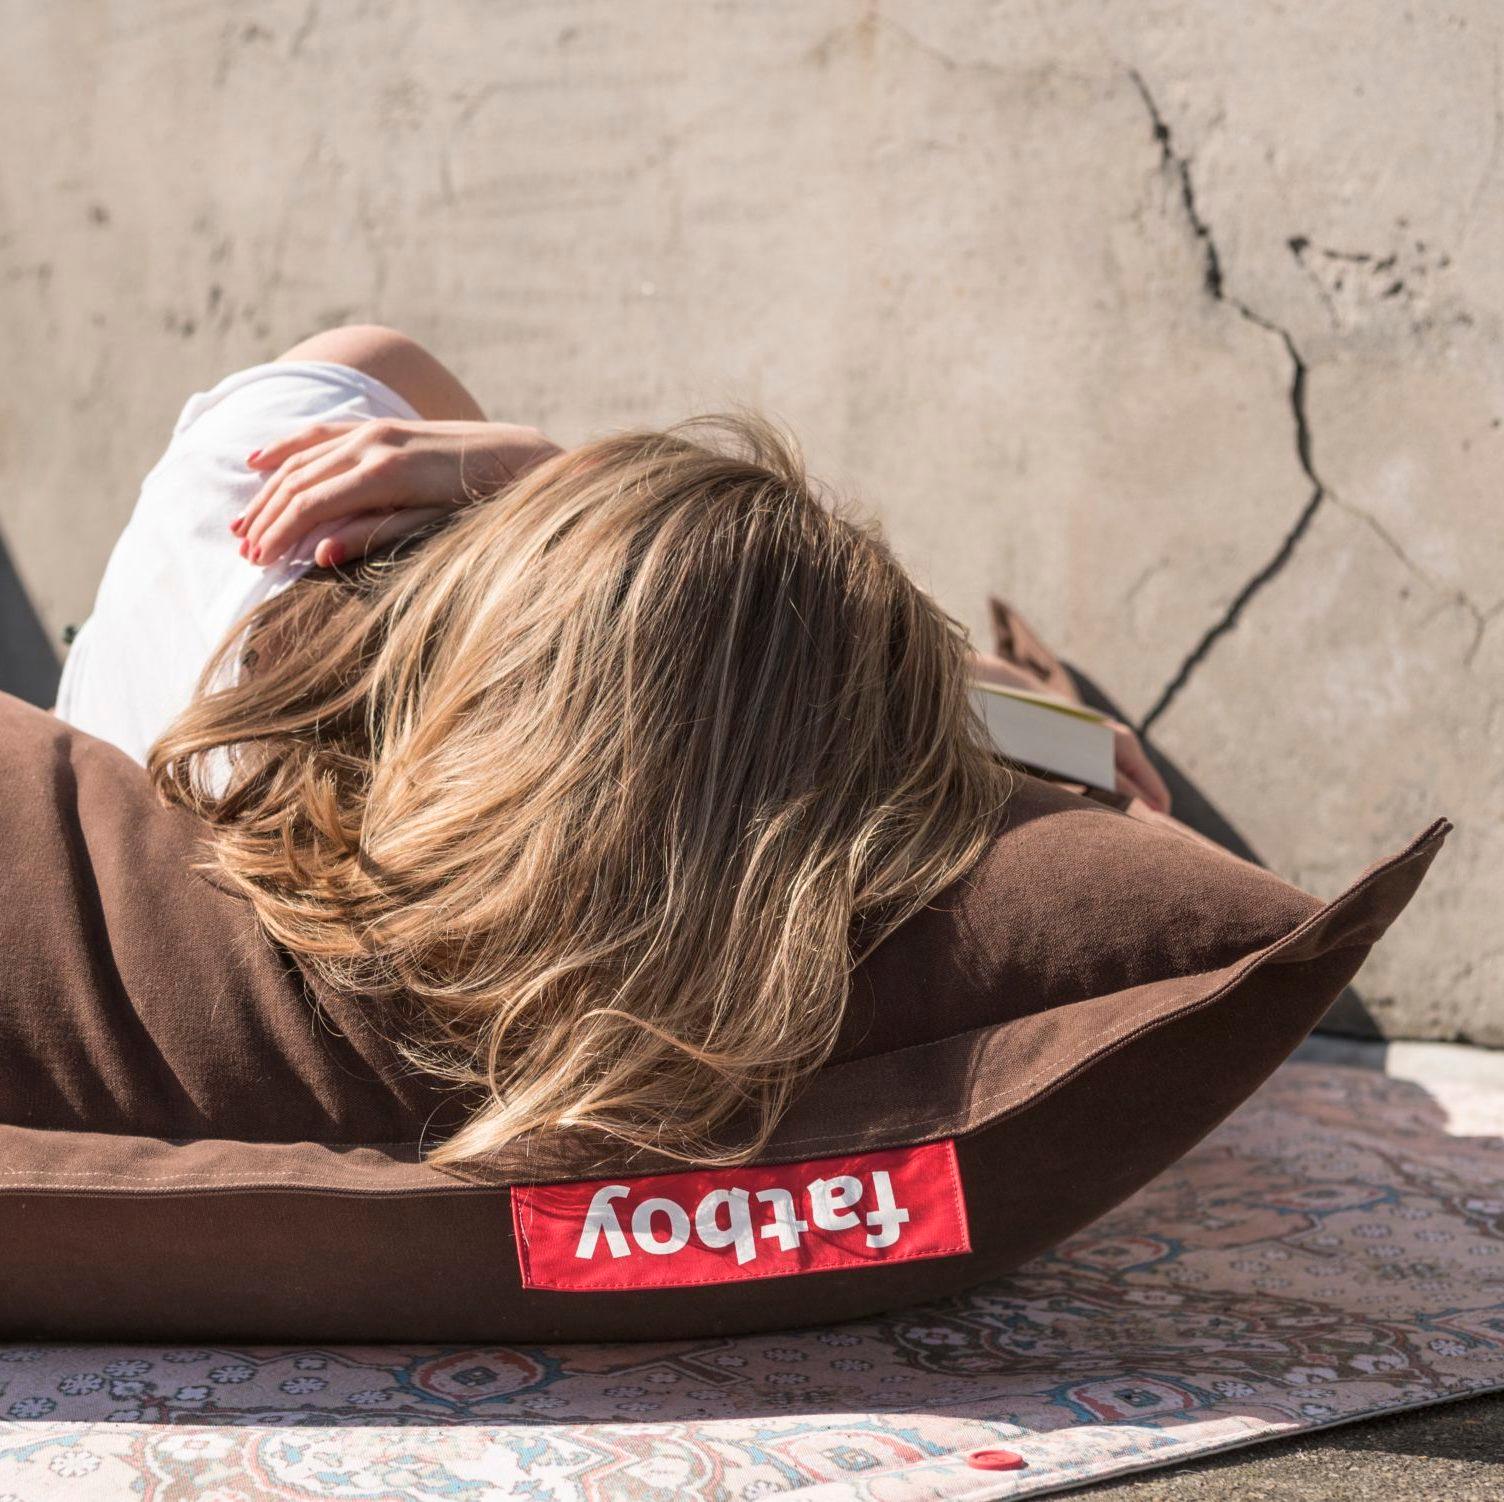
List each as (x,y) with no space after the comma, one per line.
(1453,1452)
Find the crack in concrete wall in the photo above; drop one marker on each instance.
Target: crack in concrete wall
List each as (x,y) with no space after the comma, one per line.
(1481,618)
(1178,166)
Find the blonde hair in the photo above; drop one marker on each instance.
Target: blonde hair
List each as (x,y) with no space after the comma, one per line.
(611,776)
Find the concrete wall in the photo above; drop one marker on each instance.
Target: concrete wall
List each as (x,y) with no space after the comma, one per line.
(1179,323)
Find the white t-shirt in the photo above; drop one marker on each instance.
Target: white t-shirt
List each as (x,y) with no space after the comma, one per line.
(176,582)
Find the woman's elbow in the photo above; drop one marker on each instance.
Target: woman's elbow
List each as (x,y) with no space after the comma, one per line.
(398,361)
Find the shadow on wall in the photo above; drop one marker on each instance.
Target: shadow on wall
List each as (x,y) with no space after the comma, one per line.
(29,667)
(1348,1015)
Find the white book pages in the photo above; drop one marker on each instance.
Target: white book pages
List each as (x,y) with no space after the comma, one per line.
(1062,739)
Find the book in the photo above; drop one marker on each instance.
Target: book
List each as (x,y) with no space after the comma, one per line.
(1048,735)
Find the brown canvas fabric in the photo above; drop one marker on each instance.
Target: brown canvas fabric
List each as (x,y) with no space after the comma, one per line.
(192,1143)
(135,995)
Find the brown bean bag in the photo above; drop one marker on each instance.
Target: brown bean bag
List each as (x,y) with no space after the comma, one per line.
(196,1143)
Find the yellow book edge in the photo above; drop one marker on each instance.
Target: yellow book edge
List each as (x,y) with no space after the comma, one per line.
(1078,711)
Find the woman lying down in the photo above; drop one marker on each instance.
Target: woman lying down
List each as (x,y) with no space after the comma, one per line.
(602,757)
(579,899)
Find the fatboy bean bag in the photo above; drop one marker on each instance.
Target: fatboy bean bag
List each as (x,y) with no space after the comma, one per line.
(195,1142)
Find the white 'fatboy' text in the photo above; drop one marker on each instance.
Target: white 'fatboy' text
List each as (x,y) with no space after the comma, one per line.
(725,1218)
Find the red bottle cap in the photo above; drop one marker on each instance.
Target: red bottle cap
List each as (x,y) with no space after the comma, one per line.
(995,1460)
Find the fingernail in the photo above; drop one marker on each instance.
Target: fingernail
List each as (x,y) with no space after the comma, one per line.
(254,456)
(255,555)
(334,555)
(238,524)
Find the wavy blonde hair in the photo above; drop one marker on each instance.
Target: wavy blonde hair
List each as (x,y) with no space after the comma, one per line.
(612,775)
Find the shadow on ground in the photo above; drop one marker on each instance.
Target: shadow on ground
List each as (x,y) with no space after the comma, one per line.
(1453,1452)
(28,664)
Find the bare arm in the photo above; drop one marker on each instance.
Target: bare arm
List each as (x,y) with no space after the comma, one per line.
(362,484)
(402,363)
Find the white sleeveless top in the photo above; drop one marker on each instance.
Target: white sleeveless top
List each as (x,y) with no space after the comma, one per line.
(176,583)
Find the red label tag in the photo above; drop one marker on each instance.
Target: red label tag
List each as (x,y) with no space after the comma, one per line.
(721,1225)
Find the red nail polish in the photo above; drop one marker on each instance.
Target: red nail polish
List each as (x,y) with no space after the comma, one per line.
(334,555)
(254,456)
(255,555)
(237,525)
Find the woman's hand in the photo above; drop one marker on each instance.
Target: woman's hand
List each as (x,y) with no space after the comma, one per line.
(359,485)
(1135,772)
(1136,775)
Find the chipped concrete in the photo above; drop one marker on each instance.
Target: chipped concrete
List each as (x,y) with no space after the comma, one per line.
(1182,325)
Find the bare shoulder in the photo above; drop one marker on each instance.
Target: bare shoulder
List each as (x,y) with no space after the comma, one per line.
(397,360)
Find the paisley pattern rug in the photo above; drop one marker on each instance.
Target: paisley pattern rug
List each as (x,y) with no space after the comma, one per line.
(1335,1250)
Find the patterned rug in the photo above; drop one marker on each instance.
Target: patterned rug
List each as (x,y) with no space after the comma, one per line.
(1335,1250)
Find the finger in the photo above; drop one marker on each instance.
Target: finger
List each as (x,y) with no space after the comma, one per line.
(365,533)
(1133,780)
(244,524)
(1133,764)
(293,483)
(346,490)
(1148,774)
(272,454)
(1131,789)
(1127,784)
